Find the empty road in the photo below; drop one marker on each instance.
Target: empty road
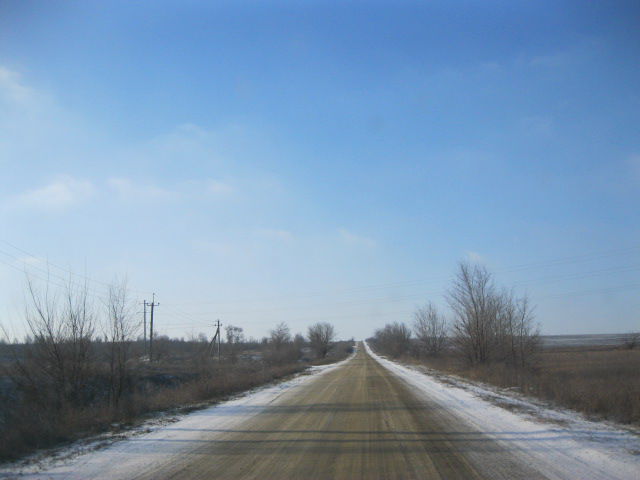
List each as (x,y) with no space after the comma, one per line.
(357,421)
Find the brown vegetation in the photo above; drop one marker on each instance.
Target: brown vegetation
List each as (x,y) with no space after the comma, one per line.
(68,381)
(601,382)
(492,338)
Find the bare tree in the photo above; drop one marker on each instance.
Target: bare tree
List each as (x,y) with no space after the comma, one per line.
(394,339)
(280,348)
(235,337)
(120,330)
(280,336)
(59,356)
(526,335)
(430,328)
(299,341)
(473,300)
(490,325)
(515,337)
(321,335)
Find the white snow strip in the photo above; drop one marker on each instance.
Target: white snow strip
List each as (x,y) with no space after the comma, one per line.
(578,449)
(132,456)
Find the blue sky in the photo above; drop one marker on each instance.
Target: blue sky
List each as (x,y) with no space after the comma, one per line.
(263,161)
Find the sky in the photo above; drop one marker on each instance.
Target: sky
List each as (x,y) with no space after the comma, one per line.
(264,162)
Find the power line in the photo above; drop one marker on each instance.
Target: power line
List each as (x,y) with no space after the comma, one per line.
(67,271)
(151,305)
(516,268)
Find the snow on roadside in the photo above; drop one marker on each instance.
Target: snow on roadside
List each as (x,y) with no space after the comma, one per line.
(157,441)
(573,448)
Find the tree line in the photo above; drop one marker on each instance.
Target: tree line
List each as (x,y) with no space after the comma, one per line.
(84,366)
(486,324)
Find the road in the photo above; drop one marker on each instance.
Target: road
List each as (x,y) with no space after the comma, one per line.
(358,421)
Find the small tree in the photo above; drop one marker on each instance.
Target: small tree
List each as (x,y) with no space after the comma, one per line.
(120,330)
(235,337)
(58,360)
(430,329)
(280,336)
(321,335)
(280,347)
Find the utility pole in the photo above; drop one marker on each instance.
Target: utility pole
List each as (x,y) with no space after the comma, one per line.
(152,305)
(144,322)
(216,337)
(219,333)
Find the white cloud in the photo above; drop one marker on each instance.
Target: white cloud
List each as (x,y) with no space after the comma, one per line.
(351,238)
(217,248)
(126,189)
(475,257)
(217,187)
(12,89)
(276,234)
(62,193)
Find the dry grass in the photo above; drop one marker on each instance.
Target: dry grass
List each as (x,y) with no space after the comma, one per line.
(31,427)
(602,383)
(176,382)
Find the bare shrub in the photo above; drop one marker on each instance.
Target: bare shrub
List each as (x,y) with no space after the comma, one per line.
(430,329)
(321,335)
(58,359)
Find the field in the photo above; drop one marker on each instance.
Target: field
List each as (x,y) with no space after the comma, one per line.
(590,374)
(182,378)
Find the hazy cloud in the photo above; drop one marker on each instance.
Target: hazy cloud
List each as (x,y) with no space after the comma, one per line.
(217,187)
(275,234)
(126,189)
(63,192)
(12,89)
(475,257)
(351,238)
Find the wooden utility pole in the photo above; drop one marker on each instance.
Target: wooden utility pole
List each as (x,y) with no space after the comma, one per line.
(219,333)
(152,305)
(216,337)
(144,322)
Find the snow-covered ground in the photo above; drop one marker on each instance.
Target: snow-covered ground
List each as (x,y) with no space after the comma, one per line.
(559,444)
(138,452)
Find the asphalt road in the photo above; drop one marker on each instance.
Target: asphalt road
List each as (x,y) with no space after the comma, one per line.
(358,421)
